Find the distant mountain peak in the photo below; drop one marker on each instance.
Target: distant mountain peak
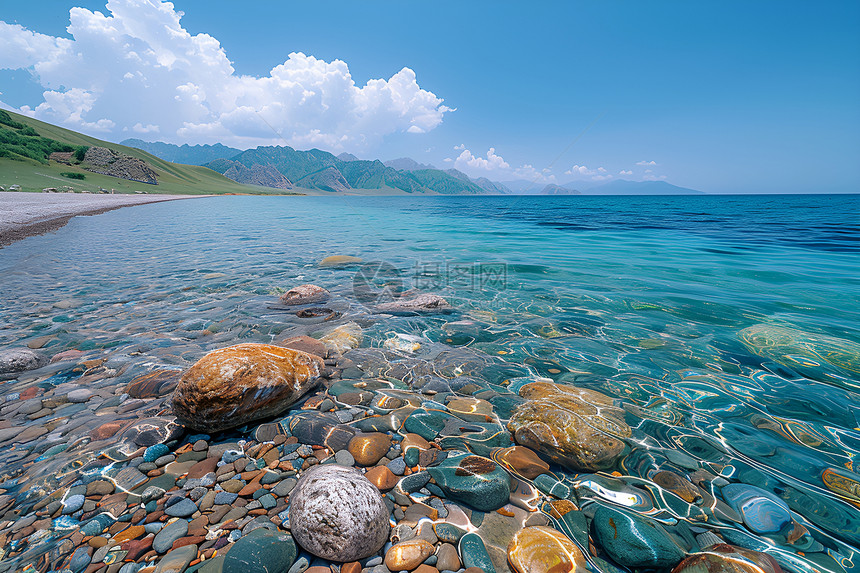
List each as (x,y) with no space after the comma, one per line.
(627,187)
(185,154)
(347,157)
(553,189)
(406,164)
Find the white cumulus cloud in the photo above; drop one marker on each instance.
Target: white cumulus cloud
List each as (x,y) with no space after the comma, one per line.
(136,69)
(644,163)
(492,162)
(627,172)
(581,171)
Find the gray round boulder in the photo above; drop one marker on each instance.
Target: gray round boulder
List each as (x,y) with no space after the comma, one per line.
(13,361)
(337,514)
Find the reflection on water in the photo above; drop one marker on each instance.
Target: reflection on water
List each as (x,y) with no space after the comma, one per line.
(727,328)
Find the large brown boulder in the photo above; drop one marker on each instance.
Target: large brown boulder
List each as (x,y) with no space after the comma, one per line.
(232,386)
(575,427)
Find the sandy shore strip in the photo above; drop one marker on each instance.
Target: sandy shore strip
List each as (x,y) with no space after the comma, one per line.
(26,214)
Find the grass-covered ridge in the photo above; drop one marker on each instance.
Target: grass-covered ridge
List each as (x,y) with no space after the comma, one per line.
(26,144)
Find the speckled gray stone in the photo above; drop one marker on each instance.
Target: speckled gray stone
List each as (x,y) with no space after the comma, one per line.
(337,514)
(183,508)
(169,534)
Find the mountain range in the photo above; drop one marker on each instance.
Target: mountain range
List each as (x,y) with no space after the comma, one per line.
(185,154)
(282,167)
(614,187)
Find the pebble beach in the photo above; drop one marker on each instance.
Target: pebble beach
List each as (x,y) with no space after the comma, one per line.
(250,416)
(26,214)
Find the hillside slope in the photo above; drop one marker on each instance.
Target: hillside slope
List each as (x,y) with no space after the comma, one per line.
(319,170)
(33,175)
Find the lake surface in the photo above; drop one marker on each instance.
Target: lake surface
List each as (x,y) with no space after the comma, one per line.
(728,327)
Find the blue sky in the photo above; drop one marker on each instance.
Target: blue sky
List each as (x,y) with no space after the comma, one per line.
(722,97)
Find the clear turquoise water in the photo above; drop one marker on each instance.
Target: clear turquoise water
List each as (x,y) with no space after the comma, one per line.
(728,326)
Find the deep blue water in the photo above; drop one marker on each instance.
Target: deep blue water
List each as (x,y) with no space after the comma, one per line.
(730,324)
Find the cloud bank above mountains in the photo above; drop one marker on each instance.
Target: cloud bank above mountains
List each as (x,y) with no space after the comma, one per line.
(137,72)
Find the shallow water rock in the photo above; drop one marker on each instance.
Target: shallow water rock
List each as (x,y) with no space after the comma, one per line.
(475,480)
(724,558)
(305,344)
(407,555)
(304,294)
(541,549)
(153,384)
(16,360)
(183,508)
(337,514)
(177,560)
(474,553)
(152,431)
(367,449)
(169,534)
(634,541)
(261,551)
(339,261)
(424,303)
(521,460)
(343,338)
(236,385)
(813,355)
(761,510)
(677,485)
(575,427)
(79,395)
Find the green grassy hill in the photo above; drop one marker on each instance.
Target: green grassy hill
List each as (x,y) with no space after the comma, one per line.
(33,175)
(312,170)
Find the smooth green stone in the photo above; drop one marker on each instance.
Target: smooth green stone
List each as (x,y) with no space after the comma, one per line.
(414,482)
(261,551)
(551,486)
(164,481)
(476,518)
(474,480)
(574,525)
(270,477)
(342,387)
(634,541)
(448,532)
(411,457)
(481,438)
(191,456)
(505,404)
(268,501)
(473,553)
(427,424)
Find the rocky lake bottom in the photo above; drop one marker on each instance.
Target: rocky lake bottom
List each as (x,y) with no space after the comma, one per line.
(510,386)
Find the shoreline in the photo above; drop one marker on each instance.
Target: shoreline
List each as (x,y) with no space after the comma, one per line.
(24,214)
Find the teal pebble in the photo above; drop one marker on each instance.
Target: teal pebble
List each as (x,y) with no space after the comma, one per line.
(551,486)
(634,541)
(474,553)
(474,480)
(261,551)
(154,452)
(96,525)
(411,457)
(448,532)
